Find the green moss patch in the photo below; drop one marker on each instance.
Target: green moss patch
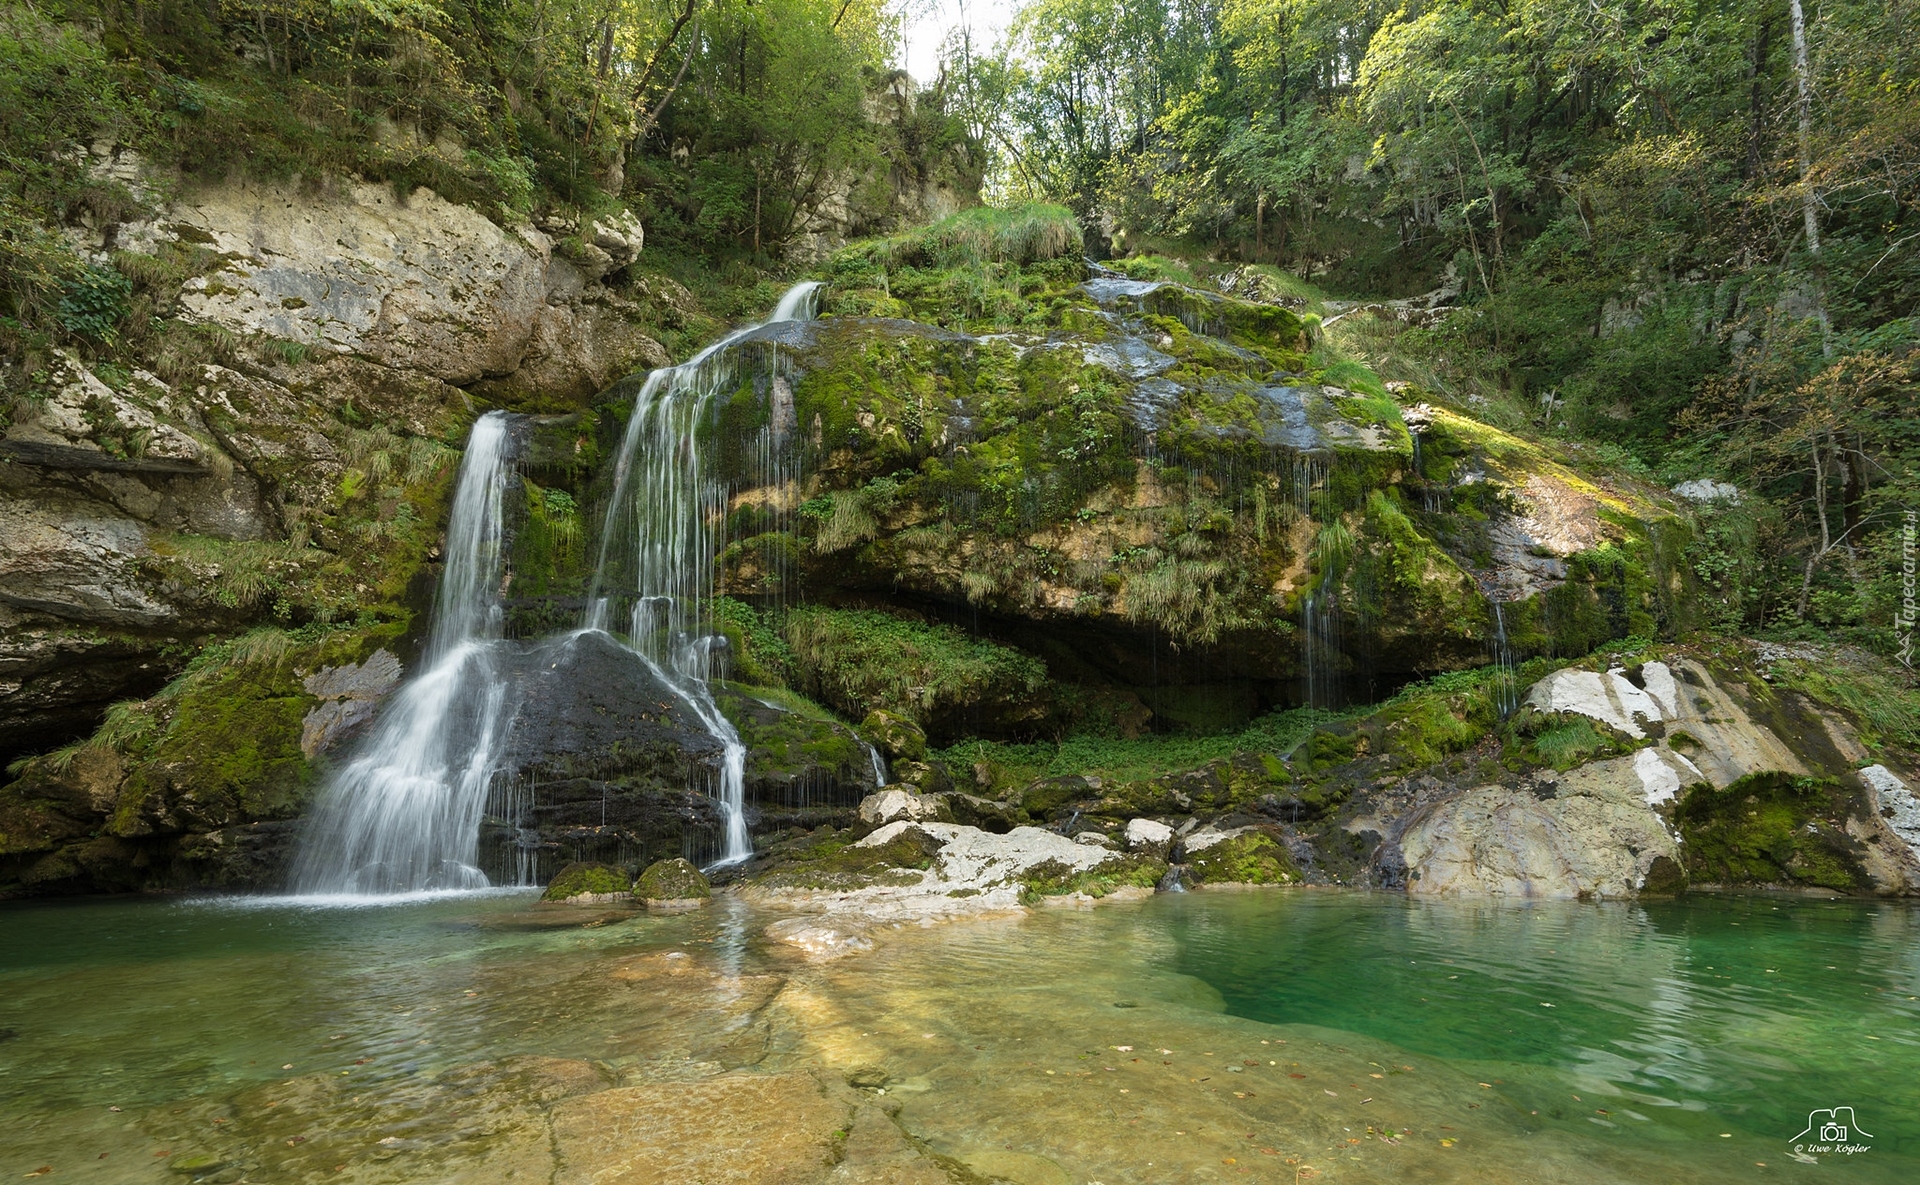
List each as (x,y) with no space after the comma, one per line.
(1250,858)
(672,880)
(1774,829)
(862,660)
(1053,879)
(582,877)
(832,864)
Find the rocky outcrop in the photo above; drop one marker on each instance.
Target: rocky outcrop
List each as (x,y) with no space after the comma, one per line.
(411,282)
(348,696)
(1587,833)
(1647,821)
(914,872)
(316,350)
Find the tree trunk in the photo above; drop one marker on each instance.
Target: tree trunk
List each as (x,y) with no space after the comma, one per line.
(1809,208)
(1803,77)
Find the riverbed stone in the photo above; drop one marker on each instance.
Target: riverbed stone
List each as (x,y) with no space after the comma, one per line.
(754,1129)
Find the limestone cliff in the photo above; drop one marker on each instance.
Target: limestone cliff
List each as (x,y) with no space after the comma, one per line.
(1081,550)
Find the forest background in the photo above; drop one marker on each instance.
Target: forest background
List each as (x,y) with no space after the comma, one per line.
(1678,236)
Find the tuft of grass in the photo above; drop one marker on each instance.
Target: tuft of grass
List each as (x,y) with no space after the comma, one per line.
(858,660)
(1137,759)
(1024,234)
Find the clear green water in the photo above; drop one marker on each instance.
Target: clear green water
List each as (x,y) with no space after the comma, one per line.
(1681,1019)
(1670,1024)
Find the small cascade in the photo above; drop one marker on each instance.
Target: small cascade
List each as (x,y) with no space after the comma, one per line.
(879,765)
(654,578)
(1320,648)
(1506,679)
(403,816)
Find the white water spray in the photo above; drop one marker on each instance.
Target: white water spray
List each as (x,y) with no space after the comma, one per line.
(655,572)
(403,817)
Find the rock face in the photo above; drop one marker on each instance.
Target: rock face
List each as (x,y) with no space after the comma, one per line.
(1635,823)
(414,284)
(348,696)
(1591,834)
(318,351)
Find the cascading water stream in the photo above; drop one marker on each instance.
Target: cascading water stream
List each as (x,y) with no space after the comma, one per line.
(1507,685)
(404,815)
(655,573)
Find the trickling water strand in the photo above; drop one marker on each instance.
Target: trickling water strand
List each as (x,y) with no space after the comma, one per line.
(404,815)
(879,765)
(1506,681)
(655,572)
(1320,648)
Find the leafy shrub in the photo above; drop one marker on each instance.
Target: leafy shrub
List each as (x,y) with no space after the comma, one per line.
(94,304)
(859,660)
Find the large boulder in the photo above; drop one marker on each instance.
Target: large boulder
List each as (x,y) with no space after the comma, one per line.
(891,805)
(670,884)
(586,883)
(605,756)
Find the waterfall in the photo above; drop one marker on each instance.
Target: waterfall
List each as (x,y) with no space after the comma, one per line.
(1506,690)
(404,815)
(1320,646)
(654,577)
(879,765)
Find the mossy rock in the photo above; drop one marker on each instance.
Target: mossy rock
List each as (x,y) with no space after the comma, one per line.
(586,879)
(672,880)
(1053,879)
(835,866)
(1048,795)
(895,735)
(922,777)
(1774,828)
(1250,858)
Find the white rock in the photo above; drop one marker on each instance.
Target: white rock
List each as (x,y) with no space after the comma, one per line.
(1208,836)
(1608,698)
(1894,796)
(1661,772)
(1707,490)
(886,806)
(1662,687)
(976,859)
(1093,838)
(1148,834)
